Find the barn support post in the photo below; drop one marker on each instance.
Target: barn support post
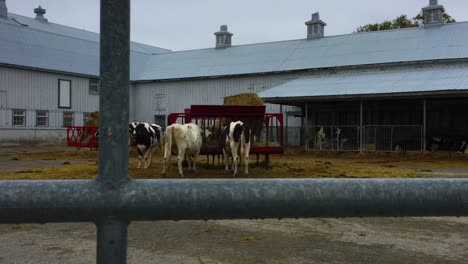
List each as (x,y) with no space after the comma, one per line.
(286,128)
(361,126)
(307,133)
(423,140)
(113,123)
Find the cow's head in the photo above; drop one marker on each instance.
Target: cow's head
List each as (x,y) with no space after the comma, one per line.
(206,135)
(132,127)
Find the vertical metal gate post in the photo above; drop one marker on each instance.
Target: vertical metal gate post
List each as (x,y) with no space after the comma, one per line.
(113,122)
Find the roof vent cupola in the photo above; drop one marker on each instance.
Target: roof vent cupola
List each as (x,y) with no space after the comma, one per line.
(433,14)
(3,9)
(40,12)
(223,37)
(315,27)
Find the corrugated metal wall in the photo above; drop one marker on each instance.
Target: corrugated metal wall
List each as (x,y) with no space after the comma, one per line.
(180,94)
(33,90)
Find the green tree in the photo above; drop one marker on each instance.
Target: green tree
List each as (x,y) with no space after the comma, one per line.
(400,22)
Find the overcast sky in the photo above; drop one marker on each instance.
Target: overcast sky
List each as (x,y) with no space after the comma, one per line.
(184,24)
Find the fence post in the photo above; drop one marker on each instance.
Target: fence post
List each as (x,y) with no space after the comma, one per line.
(113,122)
(111,241)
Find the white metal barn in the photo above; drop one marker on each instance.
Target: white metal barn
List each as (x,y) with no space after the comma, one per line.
(49,72)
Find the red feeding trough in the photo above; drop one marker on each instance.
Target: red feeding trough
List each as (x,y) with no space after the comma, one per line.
(267,128)
(82,137)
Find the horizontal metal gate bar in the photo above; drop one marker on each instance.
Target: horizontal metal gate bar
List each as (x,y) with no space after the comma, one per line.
(89,200)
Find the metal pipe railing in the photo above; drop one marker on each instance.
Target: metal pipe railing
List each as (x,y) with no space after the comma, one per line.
(89,200)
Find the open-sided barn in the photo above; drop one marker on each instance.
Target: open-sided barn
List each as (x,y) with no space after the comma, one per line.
(385,90)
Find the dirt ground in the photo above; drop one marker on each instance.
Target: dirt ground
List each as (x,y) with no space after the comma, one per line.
(349,240)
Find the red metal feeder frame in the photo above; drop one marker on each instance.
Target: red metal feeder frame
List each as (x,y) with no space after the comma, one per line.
(266,127)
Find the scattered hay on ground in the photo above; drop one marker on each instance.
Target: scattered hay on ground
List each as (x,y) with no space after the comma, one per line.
(294,164)
(72,154)
(81,171)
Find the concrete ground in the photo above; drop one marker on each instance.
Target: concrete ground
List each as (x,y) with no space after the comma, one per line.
(353,240)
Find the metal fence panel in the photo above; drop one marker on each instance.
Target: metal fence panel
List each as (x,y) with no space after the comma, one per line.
(293,136)
(392,138)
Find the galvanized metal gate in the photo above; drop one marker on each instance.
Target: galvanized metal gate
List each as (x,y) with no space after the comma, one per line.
(113,199)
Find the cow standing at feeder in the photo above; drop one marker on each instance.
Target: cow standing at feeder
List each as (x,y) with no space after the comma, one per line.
(236,143)
(147,139)
(188,139)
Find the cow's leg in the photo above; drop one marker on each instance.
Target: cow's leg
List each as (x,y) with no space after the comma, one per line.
(150,154)
(246,158)
(226,161)
(140,153)
(180,158)
(145,157)
(194,161)
(234,150)
(189,161)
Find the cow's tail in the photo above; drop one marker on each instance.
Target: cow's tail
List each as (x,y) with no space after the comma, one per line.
(167,153)
(168,144)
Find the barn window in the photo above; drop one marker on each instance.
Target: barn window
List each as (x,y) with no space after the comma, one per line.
(67,119)
(19,117)
(42,118)
(64,94)
(93,86)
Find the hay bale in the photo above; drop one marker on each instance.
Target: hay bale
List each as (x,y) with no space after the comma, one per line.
(93,121)
(243,99)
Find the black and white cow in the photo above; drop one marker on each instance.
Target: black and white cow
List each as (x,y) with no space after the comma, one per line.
(236,143)
(147,137)
(131,131)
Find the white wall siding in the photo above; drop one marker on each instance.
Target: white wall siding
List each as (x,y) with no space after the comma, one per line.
(34,90)
(32,134)
(181,94)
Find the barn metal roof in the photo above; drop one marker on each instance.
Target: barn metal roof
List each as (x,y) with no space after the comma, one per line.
(78,33)
(65,49)
(402,81)
(449,41)
(30,43)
